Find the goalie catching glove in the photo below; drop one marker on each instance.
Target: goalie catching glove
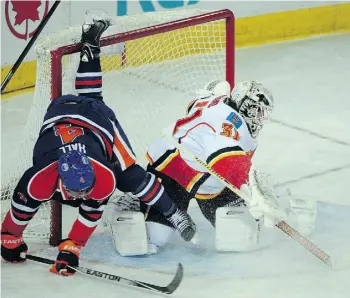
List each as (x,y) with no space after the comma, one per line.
(263,200)
(13,248)
(68,257)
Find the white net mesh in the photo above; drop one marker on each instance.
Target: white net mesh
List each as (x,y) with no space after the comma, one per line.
(148,82)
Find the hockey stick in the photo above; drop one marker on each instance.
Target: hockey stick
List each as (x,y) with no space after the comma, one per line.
(282,225)
(169,289)
(28,46)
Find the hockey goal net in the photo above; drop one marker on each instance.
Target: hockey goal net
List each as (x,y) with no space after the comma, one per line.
(152,64)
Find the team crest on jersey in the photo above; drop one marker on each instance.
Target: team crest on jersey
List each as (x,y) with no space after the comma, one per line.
(235,120)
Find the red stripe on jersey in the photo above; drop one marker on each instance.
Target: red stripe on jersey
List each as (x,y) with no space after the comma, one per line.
(202,123)
(183,121)
(84,83)
(180,171)
(201,104)
(234,168)
(93,128)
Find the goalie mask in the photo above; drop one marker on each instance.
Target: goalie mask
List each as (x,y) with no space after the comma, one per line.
(253,102)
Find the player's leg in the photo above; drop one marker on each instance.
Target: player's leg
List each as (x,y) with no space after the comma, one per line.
(88,80)
(159,229)
(22,210)
(226,198)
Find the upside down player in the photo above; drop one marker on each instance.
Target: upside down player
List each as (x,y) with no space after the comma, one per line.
(221,128)
(81,156)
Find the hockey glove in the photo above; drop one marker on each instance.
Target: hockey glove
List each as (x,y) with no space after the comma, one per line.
(264,202)
(13,248)
(68,256)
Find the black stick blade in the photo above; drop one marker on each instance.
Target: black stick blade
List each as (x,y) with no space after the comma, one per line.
(177,279)
(170,288)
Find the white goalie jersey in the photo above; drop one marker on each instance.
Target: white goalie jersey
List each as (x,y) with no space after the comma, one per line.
(216,134)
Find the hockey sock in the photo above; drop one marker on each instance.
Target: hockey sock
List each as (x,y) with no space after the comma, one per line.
(88,81)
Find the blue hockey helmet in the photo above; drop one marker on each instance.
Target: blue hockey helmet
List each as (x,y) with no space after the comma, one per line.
(77,173)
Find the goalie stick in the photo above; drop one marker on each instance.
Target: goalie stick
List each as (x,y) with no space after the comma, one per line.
(282,225)
(169,289)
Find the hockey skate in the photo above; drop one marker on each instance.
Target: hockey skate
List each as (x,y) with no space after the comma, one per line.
(90,38)
(184,224)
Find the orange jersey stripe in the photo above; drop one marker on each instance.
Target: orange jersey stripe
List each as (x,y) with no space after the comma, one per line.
(149,158)
(127,158)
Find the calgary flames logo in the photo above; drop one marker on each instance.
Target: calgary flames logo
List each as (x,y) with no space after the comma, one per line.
(24,17)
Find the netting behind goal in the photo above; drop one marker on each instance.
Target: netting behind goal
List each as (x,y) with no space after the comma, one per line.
(152,64)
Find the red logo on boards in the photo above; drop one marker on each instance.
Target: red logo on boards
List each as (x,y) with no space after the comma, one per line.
(24,17)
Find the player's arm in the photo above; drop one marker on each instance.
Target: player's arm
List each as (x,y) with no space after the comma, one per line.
(212,88)
(236,167)
(35,187)
(221,150)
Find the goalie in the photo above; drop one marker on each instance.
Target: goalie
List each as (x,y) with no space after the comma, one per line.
(220,128)
(81,156)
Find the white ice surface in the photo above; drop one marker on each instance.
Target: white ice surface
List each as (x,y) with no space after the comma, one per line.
(306,147)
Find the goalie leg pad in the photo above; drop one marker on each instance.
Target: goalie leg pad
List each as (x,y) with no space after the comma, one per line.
(128,231)
(159,234)
(236,229)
